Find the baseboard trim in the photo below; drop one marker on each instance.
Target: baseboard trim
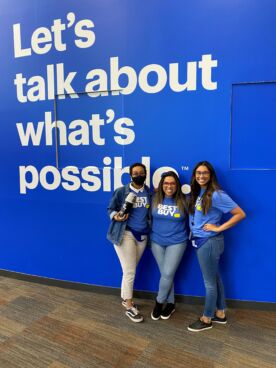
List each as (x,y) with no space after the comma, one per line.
(186,299)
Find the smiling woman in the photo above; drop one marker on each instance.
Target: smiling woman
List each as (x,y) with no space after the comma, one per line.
(207,205)
(168,239)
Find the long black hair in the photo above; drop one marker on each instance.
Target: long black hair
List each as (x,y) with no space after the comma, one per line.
(178,196)
(212,186)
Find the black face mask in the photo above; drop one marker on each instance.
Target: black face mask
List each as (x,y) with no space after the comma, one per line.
(139,180)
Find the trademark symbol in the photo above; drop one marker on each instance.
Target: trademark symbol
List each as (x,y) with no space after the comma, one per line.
(184,168)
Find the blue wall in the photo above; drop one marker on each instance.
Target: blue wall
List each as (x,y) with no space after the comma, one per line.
(55,189)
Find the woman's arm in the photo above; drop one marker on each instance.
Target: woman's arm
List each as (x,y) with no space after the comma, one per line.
(115,205)
(238,215)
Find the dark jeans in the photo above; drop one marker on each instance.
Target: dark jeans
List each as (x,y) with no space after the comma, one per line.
(208,256)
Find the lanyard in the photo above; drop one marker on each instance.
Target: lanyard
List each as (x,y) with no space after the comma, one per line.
(198,203)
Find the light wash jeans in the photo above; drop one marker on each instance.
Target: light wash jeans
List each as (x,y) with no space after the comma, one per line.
(208,256)
(129,253)
(168,259)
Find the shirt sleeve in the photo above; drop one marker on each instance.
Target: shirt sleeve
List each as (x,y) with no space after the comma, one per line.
(115,203)
(223,202)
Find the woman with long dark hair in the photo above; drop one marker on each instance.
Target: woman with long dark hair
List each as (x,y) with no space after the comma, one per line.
(168,239)
(206,206)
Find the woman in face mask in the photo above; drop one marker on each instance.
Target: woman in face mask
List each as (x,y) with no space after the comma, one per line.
(128,231)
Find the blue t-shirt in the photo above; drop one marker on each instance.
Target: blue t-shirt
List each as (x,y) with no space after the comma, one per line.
(168,224)
(221,203)
(138,216)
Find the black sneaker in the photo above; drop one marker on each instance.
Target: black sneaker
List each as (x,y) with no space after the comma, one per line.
(168,311)
(220,320)
(200,326)
(157,310)
(134,315)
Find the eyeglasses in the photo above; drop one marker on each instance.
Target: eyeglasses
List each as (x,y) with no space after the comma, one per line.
(202,173)
(169,184)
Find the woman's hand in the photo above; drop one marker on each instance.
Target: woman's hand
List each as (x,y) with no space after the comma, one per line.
(211,227)
(237,215)
(120,219)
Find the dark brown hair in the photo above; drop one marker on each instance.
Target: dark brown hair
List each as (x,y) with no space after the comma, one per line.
(178,195)
(137,164)
(212,186)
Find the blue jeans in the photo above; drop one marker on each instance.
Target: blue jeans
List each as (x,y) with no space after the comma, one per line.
(168,259)
(208,256)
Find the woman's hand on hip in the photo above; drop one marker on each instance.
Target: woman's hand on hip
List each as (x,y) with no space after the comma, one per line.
(211,227)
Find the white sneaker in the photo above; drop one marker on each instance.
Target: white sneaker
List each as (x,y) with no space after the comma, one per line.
(134,315)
